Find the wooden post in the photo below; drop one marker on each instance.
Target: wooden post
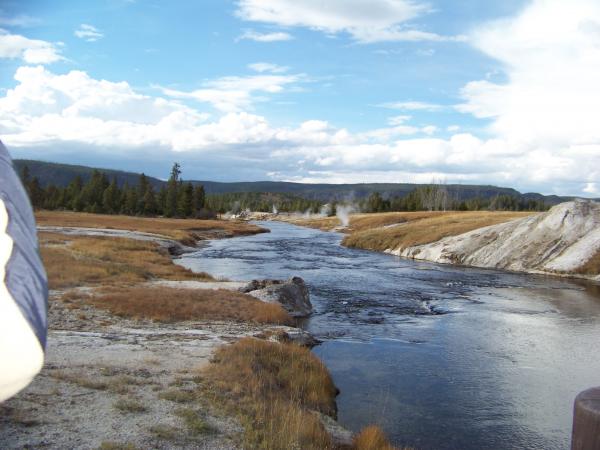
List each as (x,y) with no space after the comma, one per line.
(586,421)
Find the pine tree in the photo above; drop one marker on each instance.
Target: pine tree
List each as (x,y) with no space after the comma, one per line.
(199,198)
(172,191)
(186,201)
(162,200)
(149,200)
(36,193)
(141,193)
(111,198)
(131,201)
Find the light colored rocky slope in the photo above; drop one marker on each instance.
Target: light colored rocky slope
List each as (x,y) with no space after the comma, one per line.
(558,241)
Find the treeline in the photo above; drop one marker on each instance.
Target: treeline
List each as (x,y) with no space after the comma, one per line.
(437,198)
(236,202)
(99,195)
(178,198)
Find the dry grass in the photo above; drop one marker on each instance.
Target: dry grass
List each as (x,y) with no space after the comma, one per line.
(165,432)
(184,230)
(194,422)
(359,222)
(87,260)
(419,228)
(591,266)
(110,445)
(321,223)
(165,304)
(80,380)
(129,405)
(373,438)
(274,388)
(177,396)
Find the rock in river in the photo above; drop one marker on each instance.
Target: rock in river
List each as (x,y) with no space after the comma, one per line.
(292,294)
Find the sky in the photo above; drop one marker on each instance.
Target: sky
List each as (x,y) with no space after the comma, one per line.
(502,92)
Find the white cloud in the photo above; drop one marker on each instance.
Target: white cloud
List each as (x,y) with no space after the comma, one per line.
(276,36)
(366,22)
(412,106)
(21,20)
(398,120)
(592,189)
(425,52)
(550,104)
(232,94)
(32,51)
(88,32)
(268,67)
(452,128)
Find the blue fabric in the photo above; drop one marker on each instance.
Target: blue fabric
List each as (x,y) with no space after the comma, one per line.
(25,275)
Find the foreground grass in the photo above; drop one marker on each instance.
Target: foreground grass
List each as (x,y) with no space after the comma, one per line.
(274,389)
(278,391)
(165,304)
(72,261)
(187,231)
(419,229)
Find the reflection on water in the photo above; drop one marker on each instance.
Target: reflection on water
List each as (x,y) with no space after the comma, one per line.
(442,357)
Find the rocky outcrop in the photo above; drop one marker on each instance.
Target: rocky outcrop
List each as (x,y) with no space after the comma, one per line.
(559,241)
(292,294)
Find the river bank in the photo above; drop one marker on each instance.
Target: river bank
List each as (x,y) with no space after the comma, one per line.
(564,241)
(132,344)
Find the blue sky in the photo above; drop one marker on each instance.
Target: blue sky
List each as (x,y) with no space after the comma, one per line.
(338,91)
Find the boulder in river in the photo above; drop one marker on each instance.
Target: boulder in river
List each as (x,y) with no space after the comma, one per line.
(292,294)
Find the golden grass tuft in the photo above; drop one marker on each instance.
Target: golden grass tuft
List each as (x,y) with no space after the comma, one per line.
(87,260)
(165,432)
(194,422)
(274,388)
(130,405)
(372,438)
(165,304)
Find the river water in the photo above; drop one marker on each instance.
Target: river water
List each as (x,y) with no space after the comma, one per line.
(441,357)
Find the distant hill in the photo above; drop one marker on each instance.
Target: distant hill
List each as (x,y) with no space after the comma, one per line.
(357,191)
(62,174)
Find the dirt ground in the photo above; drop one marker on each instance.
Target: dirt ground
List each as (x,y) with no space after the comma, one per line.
(115,383)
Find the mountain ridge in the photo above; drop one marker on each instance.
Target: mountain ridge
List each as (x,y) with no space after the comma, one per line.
(61,174)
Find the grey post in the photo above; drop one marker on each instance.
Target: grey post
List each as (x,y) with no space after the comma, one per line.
(586,421)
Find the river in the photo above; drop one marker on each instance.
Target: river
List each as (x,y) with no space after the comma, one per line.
(441,357)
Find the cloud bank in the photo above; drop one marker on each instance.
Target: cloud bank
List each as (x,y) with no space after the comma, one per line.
(543,132)
(365,22)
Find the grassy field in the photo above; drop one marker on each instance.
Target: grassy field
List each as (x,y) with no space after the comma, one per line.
(186,231)
(165,304)
(381,231)
(73,261)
